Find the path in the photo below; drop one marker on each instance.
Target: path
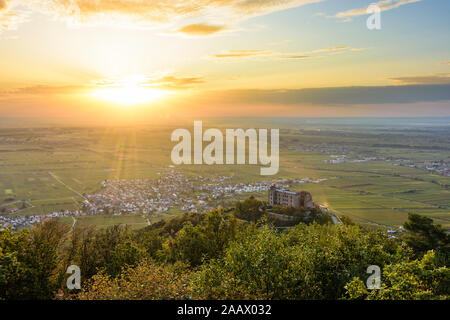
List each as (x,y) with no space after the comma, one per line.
(73,224)
(65,185)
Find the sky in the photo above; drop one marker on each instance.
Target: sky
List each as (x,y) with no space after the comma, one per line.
(137,59)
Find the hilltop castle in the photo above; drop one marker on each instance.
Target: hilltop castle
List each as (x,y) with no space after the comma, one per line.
(286,198)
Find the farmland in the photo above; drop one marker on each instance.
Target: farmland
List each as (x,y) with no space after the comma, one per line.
(381,179)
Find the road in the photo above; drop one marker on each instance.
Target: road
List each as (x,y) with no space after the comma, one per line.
(335,219)
(73,224)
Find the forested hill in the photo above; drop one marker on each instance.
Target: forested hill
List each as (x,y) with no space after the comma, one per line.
(219,255)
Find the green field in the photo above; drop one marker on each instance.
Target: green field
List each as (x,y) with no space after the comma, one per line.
(51,168)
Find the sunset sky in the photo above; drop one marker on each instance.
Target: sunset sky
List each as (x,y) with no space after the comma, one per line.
(316,58)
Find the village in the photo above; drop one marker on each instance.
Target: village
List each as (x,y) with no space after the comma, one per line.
(340,154)
(441,167)
(147,196)
(189,194)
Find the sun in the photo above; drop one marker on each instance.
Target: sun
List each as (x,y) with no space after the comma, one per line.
(129,92)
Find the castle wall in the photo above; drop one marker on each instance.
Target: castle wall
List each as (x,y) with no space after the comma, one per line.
(287,198)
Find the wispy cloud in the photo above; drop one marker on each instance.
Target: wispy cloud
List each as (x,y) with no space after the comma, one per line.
(166,82)
(174,83)
(296,57)
(45,90)
(9,19)
(200,29)
(235,55)
(439,78)
(339,96)
(340,48)
(242,54)
(155,13)
(384,5)
(3,5)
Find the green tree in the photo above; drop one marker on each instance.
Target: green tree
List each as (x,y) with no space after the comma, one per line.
(250,209)
(415,280)
(31,261)
(423,235)
(256,266)
(207,240)
(108,249)
(308,262)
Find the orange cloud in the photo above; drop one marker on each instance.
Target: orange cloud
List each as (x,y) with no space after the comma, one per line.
(174,83)
(241,53)
(200,29)
(3,5)
(269,55)
(44,90)
(331,49)
(384,5)
(157,13)
(10,19)
(165,82)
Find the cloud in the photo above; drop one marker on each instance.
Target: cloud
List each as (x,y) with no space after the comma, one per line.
(333,96)
(157,13)
(439,78)
(241,54)
(174,83)
(331,49)
(233,55)
(45,90)
(9,20)
(298,57)
(200,29)
(167,82)
(3,5)
(384,5)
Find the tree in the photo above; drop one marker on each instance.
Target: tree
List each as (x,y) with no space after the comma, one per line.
(207,240)
(308,262)
(146,281)
(415,280)
(108,249)
(423,235)
(30,261)
(13,271)
(250,209)
(256,266)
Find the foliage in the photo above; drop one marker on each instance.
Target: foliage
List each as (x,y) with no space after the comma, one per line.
(418,280)
(309,262)
(347,220)
(423,235)
(250,209)
(207,240)
(146,281)
(217,256)
(109,249)
(30,260)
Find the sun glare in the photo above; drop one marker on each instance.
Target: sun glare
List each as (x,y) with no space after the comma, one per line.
(129,92)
